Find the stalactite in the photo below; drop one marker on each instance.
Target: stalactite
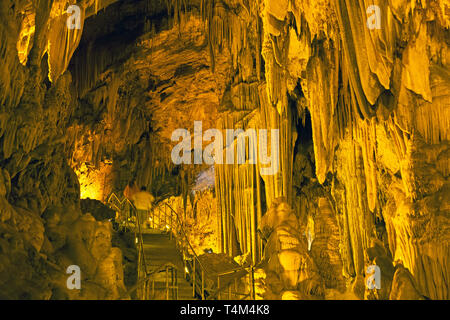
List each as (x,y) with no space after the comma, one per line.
(238,186)
(322,95)
(12,75)
(353,57)
(61,42)
(366,137)
(275,76)
(354,206)
(380,122)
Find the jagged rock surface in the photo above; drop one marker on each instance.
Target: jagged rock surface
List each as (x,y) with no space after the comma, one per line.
(364,128)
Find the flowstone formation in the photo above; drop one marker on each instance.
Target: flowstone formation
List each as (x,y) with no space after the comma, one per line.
(288,271)
(42,228)
(378,100)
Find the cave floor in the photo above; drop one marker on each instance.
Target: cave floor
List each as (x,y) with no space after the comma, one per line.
(160,249)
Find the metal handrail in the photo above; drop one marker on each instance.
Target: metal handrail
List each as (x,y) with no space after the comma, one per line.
(150,275)
(220,289)
(138,234)
(184,232)
(186,239)
(125,199)
(204,273)
(121,202)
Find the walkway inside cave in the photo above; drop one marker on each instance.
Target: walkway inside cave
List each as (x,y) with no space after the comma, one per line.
(160,249)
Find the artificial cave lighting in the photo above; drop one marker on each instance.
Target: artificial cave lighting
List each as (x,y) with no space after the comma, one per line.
(93,181)
(224,150)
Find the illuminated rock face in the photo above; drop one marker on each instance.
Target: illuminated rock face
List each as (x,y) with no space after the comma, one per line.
(290,271)
(42,228)
(363,112)
(378,100)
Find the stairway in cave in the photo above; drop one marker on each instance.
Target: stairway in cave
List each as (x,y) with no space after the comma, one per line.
(160,249)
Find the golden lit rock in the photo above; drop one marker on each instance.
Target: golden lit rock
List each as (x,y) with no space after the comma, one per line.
(356,92)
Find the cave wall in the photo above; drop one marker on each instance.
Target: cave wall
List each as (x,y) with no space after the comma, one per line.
(43,230)
(78,110)
(379,106)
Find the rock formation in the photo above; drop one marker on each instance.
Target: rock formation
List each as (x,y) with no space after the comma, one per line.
(359,91)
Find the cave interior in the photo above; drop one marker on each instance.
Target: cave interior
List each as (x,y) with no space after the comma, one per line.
(115,121)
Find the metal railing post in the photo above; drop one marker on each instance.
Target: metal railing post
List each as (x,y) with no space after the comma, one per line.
(152,217)
(167,283)
(218,287)
(171,226)
(153,288)
(193,281)
(253,283)
(203,285)
(176,282)
(165,216)
(159,218)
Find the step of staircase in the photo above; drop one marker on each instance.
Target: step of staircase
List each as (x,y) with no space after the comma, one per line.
(158,250)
